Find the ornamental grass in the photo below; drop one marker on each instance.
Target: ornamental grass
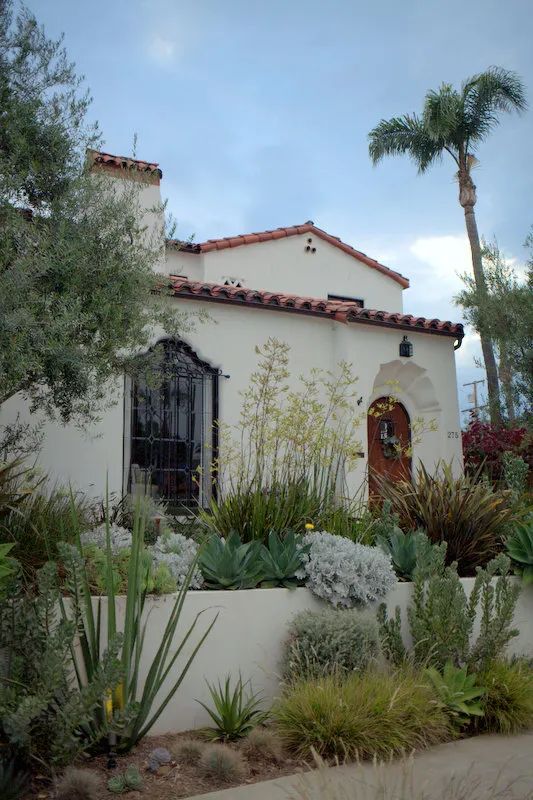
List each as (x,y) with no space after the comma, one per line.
(372,715)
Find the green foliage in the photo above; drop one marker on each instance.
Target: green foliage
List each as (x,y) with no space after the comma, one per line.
(78,784)
(459,693)
(390,634)
(508,699)
(154,581)
(14,783)
(502,309)
(286,459)
(330,641)
(222,764)
(16,483)
(281,560)
(8,567)
(231,564)
(44,718)
(408,551)
(76,263)
(441,618)
(41,521)
(365,716)
(515,473)
(520,549)
(235,710)
(462,511)
(134,709)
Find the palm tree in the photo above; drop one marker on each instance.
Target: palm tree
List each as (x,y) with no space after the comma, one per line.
(456,122)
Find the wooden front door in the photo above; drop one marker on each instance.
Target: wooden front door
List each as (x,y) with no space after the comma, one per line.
(389,439)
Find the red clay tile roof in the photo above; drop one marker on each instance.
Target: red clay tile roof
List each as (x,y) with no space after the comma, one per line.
(282,233)
(123,162)
(332,309)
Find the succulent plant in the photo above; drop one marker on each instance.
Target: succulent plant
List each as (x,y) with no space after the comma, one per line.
(282,559)
(230,563)
(520,549)
(458,692)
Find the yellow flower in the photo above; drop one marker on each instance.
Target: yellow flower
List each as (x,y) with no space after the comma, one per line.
(108,705)
(309,526)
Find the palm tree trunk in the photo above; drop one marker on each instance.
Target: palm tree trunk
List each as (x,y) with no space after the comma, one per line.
(467,198)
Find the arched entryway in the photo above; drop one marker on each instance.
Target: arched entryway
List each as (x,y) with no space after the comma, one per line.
(389,441)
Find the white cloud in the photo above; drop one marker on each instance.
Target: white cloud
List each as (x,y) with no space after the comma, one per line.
(162,50)
(447,258)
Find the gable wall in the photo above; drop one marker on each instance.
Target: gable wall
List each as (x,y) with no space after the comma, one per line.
(284,265)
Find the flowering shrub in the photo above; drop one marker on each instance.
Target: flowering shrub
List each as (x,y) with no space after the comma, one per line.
(177,553)
(345,573)
(97,537)
(483,442)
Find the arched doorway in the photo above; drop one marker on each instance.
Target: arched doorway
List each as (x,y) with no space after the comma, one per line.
(389,440)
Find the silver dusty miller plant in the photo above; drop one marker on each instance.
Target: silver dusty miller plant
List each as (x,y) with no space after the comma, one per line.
(178,553)
(345,573)
(120,537)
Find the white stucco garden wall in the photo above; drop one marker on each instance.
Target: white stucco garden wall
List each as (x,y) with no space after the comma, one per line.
(248,637)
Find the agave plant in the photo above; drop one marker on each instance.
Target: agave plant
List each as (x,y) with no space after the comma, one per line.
(520,549)
(458,692)
(236,712)
(281,560)
(462,511)
(133,705)
(230,563)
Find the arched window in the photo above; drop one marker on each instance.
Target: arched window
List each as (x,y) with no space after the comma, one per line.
(172,430)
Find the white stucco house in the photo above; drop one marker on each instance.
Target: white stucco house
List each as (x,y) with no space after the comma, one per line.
(327,300)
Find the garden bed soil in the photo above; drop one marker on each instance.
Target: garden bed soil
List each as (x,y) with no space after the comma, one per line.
(176,779)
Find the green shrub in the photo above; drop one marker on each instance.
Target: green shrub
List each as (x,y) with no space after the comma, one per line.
(520,549)
(508,698)
(330,641)
(462,511)
(369,715)
(45,720)
(42,520)
(253,511)
(263,744)
(14,782)
(78,784)
(231,564)
(236,711)
(282,559)
(441,617)
(515,473)
(222,764)
(458,692)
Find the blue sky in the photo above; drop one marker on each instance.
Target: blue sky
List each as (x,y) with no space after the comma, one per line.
(258,114)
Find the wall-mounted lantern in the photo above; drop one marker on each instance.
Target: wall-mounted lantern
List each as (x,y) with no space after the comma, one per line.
(406,348)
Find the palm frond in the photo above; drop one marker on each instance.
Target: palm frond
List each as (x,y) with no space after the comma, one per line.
(487,95)
(404,135)
(443,117)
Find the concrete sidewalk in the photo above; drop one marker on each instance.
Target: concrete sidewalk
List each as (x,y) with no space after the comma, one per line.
(473,769)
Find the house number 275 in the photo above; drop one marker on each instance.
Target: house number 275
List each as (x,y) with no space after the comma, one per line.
(453,434)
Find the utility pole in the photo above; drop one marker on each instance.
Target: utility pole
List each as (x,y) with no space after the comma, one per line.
(473,398)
